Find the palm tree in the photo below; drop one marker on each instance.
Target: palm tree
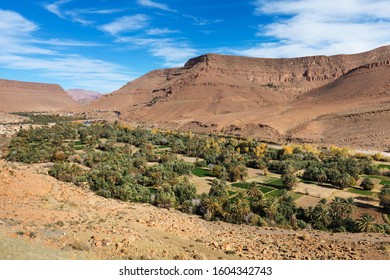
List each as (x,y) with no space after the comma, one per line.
(254,192)
(212,206)
(270,207)
(321,177)
(237,210)
(384,197)
(349,205)
(365,223)
(337,209)
(322,216)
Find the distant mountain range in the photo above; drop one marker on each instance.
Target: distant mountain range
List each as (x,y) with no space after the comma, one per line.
(341,99)
(83,96)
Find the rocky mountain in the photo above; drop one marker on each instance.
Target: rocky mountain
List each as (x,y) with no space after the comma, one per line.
(287,99)
(19,96)
(83,96)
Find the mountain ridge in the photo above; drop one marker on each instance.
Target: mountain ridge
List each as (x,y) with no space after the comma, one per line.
(17,96)
(277,99)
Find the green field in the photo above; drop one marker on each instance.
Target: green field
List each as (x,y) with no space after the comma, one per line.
(275,193)
(385,182)
(161,147)
(78,145)
(266,190)
(243,185)
(360,191)
(384,179)
(384,166)
(202,172)
(276,183)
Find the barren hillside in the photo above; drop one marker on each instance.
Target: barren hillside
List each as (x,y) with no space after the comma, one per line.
(19,96)
(42,218)
(276,99)
(83,96)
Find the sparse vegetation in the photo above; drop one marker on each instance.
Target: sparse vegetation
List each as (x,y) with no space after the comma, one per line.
(135,164)
(40,118)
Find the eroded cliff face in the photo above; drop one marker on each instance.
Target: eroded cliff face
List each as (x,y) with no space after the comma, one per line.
(26,96)
(287,70)
(274,99)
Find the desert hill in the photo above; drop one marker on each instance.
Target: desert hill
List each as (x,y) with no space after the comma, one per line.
(42,218)
(276,99)
(19,96)
(83,96)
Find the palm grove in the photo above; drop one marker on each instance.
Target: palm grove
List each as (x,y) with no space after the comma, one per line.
(141,165)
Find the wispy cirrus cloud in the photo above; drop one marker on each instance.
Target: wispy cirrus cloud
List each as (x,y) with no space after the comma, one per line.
(203,21)
(161,31)
(173,52)
(72,15)
(66,43)
(77,15)
(309,27)
(100,11)
(20,25)
(154,4)
(55,7)
(21,50)
(126,24)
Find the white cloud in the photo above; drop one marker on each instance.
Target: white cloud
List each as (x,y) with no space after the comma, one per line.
(173,53)
(72,15)
(161,31)
(309,27)
(55,8)
(203,21)
(126,24)
(66,43)
(20,50)
(74,70)
(156,5)
(100,11)
(14,23)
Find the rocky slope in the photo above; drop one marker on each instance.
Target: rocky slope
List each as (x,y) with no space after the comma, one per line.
(83,96)
(42,218)
(19,96)
(256,96)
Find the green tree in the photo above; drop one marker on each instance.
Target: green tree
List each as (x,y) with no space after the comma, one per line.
(270,207)
(289,181)
(384,197)
(254,192)
(218,188)
(212,207)
(366,223)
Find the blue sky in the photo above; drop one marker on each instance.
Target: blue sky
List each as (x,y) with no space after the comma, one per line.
(101,45)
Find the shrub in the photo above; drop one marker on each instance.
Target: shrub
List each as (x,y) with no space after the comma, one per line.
(384,197)
(367,184)
(289,181)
